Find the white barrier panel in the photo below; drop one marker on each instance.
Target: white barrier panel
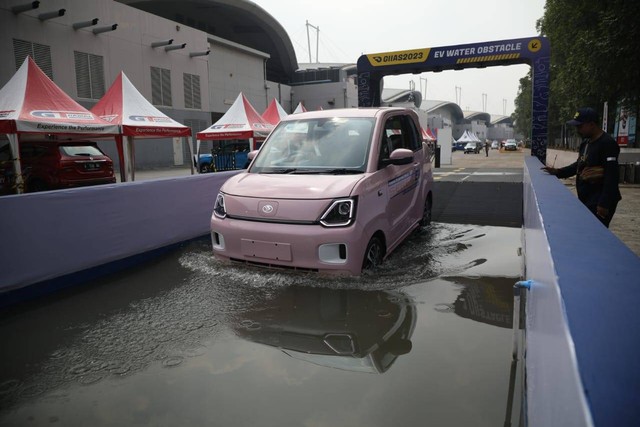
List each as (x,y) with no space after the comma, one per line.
(51,234)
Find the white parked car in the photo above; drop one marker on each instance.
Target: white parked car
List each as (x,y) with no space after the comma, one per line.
(511,145)
(472,147)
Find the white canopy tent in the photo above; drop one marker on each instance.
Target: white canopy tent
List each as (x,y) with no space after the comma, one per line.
(465,137)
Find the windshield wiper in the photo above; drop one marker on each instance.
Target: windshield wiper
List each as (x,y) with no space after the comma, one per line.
(343,171)
(300,171)
(284,171)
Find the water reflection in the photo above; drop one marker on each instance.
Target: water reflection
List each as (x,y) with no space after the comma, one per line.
(106,353)
(486,299)
(354,330)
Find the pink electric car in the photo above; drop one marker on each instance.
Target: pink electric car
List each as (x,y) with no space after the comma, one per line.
(332,191)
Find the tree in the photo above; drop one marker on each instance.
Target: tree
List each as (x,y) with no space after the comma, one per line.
(521,116)
(594,57)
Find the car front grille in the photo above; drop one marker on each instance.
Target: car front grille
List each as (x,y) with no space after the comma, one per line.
(273,266)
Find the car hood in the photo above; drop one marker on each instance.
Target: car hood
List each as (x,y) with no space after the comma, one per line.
(278,186)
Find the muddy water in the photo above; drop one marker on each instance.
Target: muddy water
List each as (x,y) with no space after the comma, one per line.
(188,341)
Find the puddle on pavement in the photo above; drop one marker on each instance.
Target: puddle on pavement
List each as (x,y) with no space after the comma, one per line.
(187,341)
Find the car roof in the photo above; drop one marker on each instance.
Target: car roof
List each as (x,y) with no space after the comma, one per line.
(343,112)
(57,142)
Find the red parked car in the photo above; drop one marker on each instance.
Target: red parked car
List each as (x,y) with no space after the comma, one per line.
(50,165)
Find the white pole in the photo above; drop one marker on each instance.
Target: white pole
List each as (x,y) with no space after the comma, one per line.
(14,144)
(308,42)
(187,140)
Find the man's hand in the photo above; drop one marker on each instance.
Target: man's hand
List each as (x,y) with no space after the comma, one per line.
(550,170)
(602,212)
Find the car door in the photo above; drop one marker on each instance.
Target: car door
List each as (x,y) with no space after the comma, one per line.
(401,182)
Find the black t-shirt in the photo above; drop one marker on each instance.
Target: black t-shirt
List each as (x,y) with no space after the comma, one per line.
(597,172)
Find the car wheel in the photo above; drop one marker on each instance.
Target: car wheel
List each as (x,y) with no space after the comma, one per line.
(373,254)
(204,168)
(426,214)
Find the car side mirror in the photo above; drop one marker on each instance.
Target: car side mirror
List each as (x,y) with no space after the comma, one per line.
(252,154)
(400,156)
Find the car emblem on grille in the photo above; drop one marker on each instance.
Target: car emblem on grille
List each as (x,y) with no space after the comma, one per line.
(267,208)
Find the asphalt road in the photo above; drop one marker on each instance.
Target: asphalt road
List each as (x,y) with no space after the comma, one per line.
(625,223)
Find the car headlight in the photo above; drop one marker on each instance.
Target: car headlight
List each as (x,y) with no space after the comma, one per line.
(340,213)
(219,209)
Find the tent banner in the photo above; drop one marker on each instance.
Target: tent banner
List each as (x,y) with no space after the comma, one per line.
(226,135)
(160,131)
(62,127)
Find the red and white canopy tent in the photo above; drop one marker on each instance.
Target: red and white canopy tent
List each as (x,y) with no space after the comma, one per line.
(241,121)
(299,109)
(124,105)
(274,112)
(427,135)
(30,103)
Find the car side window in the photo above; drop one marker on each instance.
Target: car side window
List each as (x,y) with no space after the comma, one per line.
(399,132)
(402,133)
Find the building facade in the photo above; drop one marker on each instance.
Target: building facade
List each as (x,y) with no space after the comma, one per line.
(189,58)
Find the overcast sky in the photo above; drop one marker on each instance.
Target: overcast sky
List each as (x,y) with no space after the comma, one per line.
(350,28)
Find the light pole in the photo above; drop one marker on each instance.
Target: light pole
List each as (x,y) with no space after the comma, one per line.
(424,94)
(309,40)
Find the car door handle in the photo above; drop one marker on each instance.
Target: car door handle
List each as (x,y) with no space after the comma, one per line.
(380,192)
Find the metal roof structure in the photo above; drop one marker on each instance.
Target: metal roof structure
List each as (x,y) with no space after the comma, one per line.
(239,21)
(477,115)
(431,106)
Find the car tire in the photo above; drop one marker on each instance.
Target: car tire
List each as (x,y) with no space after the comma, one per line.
(373,254)
(205,168)
(427,212)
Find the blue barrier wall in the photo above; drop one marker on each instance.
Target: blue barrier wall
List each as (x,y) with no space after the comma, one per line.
(582,317)
(55,233)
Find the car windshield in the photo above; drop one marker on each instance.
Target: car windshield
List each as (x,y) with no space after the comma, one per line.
(335,145)
(80,150)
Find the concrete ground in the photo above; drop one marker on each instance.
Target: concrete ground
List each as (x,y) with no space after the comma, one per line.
(626,221)
(625,224)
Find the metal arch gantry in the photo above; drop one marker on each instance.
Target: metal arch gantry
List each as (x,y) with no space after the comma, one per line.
(534,51)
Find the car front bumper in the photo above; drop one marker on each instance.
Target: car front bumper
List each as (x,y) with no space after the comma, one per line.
(330,250)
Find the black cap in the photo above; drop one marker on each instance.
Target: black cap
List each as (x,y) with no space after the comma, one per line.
(584,115)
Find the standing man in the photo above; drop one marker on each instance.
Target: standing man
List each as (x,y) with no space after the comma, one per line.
(486,148)
(597,167)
